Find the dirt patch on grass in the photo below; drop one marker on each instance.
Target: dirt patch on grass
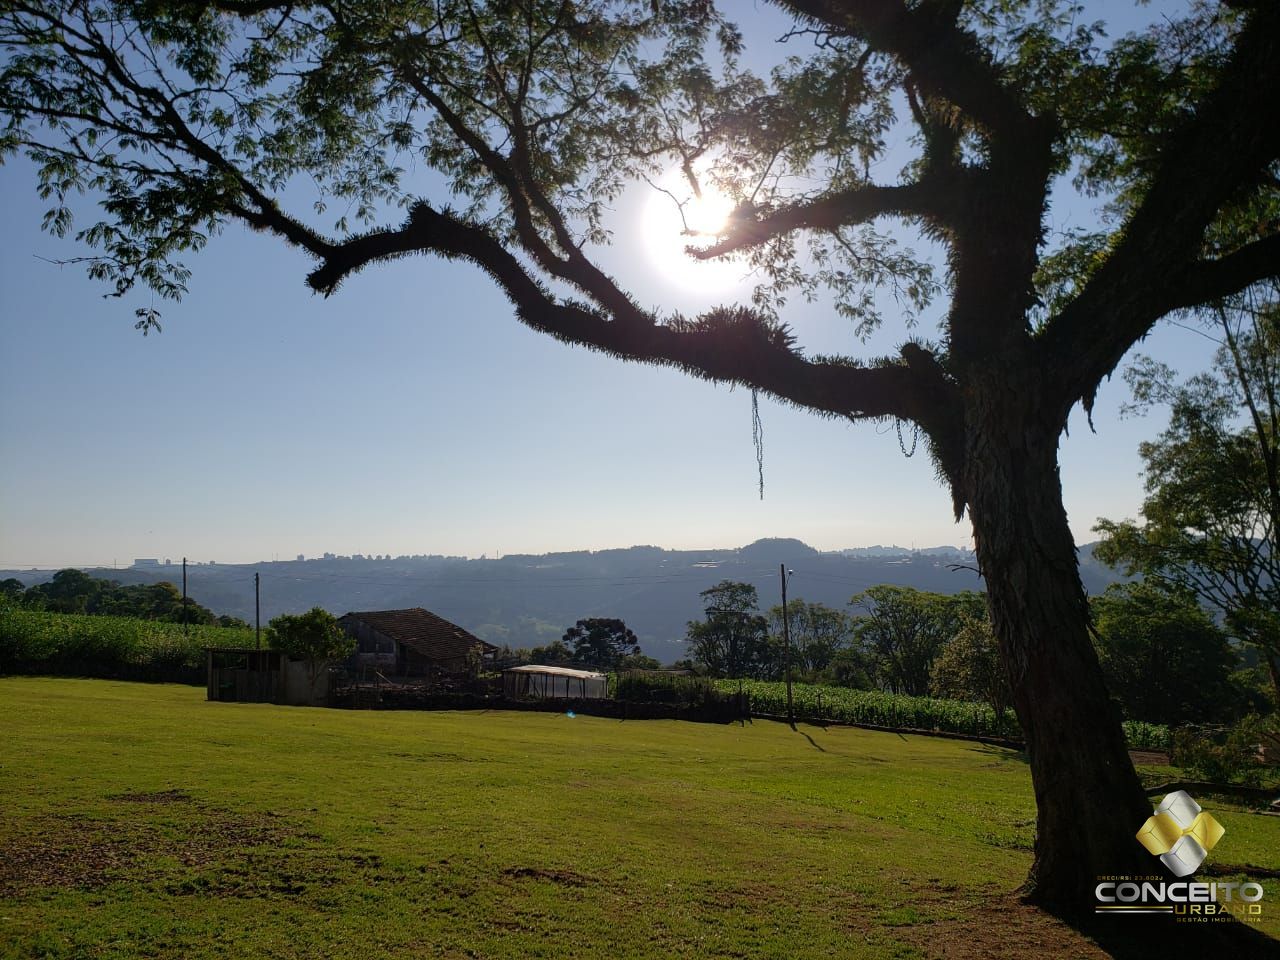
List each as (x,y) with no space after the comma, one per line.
(81,852)
(155,797)
(565,877)
(1149,758)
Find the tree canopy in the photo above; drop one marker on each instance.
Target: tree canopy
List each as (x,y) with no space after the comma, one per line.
(732,639)
(536,115)
(1163,656)
(902,630)
(1212,512)
(314,636)
(818,633)
(601,642)
(74,591)
(968,666)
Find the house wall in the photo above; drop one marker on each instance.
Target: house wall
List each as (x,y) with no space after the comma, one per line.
(373,649)
(299,688)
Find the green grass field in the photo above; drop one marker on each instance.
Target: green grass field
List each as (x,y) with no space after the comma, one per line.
(140,820)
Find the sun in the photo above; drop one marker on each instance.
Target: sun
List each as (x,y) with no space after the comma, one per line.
(675,218)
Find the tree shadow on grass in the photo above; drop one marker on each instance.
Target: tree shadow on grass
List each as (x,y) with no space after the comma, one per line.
(813,743)
(1001,753)
(1009,928)
(1125,939)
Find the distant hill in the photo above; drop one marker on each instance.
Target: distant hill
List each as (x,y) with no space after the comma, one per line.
(525,599)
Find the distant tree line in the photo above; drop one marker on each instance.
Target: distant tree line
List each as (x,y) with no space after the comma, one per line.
(596,643)
(74,591)
(1165,659)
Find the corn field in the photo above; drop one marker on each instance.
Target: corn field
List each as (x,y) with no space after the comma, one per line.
(60,642)
(817,702)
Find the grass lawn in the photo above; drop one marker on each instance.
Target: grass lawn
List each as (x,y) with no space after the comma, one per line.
(140,820)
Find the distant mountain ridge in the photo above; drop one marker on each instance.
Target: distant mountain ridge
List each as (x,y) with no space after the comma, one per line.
(530,599)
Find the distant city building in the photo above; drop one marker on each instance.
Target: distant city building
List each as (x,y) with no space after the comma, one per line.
(146,562)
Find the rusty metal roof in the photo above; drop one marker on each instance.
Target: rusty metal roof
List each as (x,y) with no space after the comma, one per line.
(432,636)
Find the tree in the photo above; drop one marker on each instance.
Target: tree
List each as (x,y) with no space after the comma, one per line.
(850,668)
(818,633)
(733,639)
(12,590)
(1212,513)
(1163,657)
(903,630)
(314,636)
(69,591)
(537,114)
(553,653)
(74,591)
(602,642)
(968,666)
(638,661)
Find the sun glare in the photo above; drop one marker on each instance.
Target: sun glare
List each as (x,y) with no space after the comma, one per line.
(674,219)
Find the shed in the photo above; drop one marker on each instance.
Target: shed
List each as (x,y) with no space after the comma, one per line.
(548,683)
(414,642)
(247,675)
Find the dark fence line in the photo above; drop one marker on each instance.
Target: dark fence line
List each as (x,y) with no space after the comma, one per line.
(727,711)
(1008,742)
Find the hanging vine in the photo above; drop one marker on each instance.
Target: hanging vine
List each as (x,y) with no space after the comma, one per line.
(757,437)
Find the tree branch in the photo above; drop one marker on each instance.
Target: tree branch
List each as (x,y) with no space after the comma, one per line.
(728,345)
(1208,280)
(828,212)
(944,59)
(1221,151)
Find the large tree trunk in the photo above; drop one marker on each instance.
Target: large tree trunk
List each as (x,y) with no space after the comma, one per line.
(1088,798)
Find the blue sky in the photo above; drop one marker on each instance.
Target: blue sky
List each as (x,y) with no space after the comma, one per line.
(410,413)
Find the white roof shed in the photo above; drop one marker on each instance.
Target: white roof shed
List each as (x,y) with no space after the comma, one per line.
(547,683)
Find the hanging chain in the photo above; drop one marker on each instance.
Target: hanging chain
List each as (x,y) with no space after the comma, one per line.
(915,438)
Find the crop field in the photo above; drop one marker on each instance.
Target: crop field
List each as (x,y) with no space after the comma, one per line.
(138,820)
(30,636)
(882,709)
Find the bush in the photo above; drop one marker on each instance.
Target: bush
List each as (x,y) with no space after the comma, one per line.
(1230,755)
(643,687)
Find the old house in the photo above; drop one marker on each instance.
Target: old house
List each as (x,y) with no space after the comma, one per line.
(414,643)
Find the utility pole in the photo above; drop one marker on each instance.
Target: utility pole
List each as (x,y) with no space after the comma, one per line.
(184,595)
(257,614)
(786,634)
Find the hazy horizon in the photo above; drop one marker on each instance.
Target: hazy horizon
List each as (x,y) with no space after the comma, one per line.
(123,563)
